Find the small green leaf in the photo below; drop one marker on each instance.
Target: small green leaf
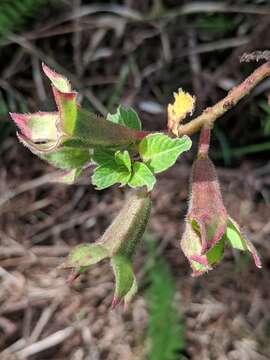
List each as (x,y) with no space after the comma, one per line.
(103,156)
(160,152)
(124,177)
(107,175)
(67,158)
(104,176)
(112,169)
(142,176)
(122,158)
(127,117)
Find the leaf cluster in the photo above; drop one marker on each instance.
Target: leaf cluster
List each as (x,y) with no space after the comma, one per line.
(73,138)
(136,165)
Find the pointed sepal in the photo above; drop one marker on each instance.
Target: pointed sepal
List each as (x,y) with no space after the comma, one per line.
(130,294)
(40,126)
(85,255)
(237,240)
(200,262)
(67,177)
(124,279)
(59,81)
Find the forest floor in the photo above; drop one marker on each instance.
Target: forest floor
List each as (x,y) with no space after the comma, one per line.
(226,312)
(139,63)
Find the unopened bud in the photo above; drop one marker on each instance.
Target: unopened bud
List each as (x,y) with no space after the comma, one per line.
(71,126)
(118,243)
(208,226)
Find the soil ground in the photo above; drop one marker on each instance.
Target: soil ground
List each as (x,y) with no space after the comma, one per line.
(226,313)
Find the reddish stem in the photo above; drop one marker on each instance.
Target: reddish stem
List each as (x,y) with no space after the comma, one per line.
(204,141)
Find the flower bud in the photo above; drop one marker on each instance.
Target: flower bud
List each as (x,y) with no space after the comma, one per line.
(118,243)
(208,226)
(71,125)
(43,132)
(38,131)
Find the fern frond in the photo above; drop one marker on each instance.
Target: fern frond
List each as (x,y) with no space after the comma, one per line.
(14,13)
(165,330)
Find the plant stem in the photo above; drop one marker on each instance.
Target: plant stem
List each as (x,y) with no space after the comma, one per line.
(209,115)
(204,141)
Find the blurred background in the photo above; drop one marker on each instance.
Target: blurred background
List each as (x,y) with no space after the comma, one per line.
(137,53)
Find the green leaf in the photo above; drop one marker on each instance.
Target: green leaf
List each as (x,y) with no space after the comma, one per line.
(160,152)
(126,117)
(104,176)
(107,175)
(112,169)
(103,156)
(124,176)
(109,157)
(142,176)
(67,158)
(122,158)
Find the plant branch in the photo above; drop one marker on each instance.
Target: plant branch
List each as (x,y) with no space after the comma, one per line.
(211,114)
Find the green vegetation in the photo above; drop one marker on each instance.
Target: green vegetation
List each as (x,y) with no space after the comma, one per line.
(14,14)
(165,330)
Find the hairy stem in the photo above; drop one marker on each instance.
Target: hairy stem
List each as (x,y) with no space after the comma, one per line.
(204,141)
(209,115)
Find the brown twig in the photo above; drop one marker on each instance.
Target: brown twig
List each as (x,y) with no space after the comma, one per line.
(44,344)
(211,114)
(256,56)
